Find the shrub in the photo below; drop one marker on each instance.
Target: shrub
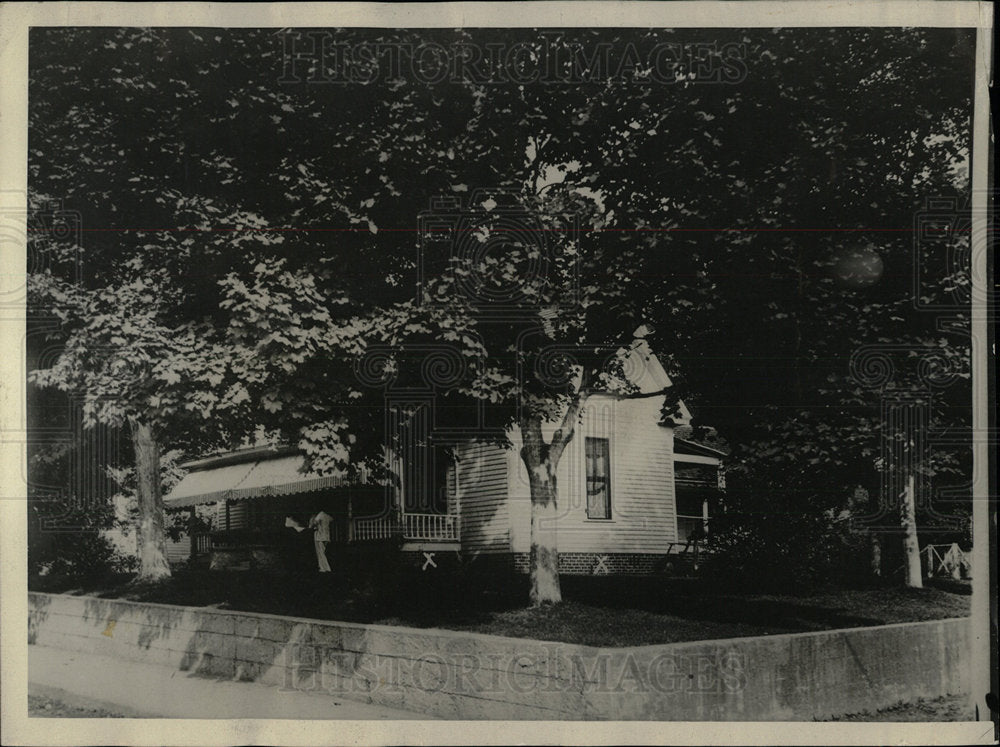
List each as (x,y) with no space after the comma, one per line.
(180,524)
(67,538)
(790,552)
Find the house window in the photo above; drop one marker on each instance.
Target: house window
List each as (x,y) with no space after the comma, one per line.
(425,479)
(598,454)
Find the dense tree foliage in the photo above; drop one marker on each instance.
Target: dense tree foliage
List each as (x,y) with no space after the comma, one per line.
(255,252)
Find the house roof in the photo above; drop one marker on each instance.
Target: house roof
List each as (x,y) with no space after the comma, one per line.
(648,375)
(687,446)
(250,473)
(236,456)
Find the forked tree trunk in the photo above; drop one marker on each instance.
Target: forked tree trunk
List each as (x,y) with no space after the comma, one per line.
(911,546)
(542,459)
(150,536)
(544,560)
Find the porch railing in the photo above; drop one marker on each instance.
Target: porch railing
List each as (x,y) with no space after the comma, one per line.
(688,525)
(381,527)
(201,544)
(433,527)
(430,526)
(410,526)
(947,560)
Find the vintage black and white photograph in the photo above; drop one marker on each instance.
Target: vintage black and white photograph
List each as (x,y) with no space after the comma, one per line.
(584,371)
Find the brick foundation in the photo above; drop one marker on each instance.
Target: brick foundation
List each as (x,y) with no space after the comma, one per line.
(438,560)
(570,563)
(596,563)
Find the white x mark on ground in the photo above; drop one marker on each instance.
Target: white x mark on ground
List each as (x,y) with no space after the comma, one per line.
(429,561)
(602,566)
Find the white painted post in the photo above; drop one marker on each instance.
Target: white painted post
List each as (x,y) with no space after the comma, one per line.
(914,578)
(350,521)
(954,555)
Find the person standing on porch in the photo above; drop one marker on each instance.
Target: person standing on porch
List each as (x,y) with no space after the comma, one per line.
(320,524)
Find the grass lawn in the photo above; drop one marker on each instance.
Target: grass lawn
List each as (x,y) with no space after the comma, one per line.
(595,611)
(728,616)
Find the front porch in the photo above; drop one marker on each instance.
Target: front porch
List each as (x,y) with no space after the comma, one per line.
(250,548)
(254,509)
(698,494)
(408,526)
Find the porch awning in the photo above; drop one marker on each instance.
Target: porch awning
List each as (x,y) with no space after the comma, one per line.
(253,479)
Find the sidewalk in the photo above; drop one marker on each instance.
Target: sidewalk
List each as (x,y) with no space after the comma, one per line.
(138,690)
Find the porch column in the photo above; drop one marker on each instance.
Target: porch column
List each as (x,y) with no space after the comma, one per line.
(192,538)
(350,519)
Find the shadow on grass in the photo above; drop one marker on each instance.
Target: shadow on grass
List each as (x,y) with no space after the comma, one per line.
(690,599)
(596,611)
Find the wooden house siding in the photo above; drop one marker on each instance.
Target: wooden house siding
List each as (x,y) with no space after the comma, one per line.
(482,498)
(179,550)
(642,483)
(238,515)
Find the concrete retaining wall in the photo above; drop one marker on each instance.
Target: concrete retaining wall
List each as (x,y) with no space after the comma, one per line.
(470,676)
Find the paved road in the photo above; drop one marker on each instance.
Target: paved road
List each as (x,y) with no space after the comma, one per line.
(137,690)
(948,708)
(46,707)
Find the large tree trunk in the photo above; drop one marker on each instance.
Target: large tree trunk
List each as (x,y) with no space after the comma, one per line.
(544,546)
(911,547)
(542,459)
(544,559)
(149,531)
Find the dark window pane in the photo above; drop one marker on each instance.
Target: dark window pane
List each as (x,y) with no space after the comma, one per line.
(598,462)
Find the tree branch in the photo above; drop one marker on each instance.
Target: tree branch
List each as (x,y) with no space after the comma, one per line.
(645,395)
(536,164)
(564,433)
